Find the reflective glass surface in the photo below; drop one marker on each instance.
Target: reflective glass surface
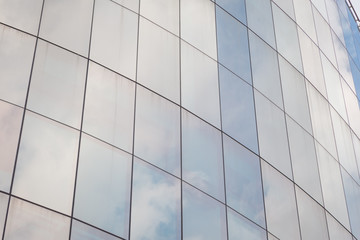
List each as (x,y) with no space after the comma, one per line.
(203,217)
(198,25)
(157,131)
(67,23)
(241,228)
(243,181)
(103,186)
(287,6)
(202,162)
(10,123)
(28,221)
(260,19)
(233,47)
(45,169)
(81,231)
(161,74)
(156,204)
(199,84)
(271,125)
(114,37)
(4,199)
(265,69)
(237,109)
(280,204)
(16,54)
(304,17)
(235,7)
(57,84)
(22,14)
(336,231)
(109,107)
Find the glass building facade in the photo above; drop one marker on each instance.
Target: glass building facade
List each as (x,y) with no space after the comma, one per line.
(179,119)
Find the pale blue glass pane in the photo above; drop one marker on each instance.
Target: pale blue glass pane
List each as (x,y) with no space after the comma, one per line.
(243,181)
(260,19)
(46,163)
(203,217)
(237,109)
(16,55)
(202,156)
(10,123)
(81,231)
(233,48)
(157,131)
(102,195)
(156,204)
(235,8)
(241,228)
(31,222)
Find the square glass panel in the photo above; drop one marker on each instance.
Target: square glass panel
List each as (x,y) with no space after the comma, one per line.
(303,158)
(109,107)
(10,123)
(287,38)
(157,131)
(158,60)
(16,55)
(202,162)
(81,231)
(102,195)
(233,46)
(235,7)
(332,188)
(198,25)
(31,222)
(241,228)
(311,216)
(237,109)
(156,204)
(203,216)
(295,96)
(114,37)
(265,69)
(280,204)
(259,19)
(46,164)
(271,125)
(162,12)
(67,23)
(22,14)
(199,84)
(243,181)
(57,84)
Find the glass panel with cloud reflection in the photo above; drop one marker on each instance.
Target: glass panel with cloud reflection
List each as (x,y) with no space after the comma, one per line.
(202,162)
(155,211)
(81,231)
(102,195)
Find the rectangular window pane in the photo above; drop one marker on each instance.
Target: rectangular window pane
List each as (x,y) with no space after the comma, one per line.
(160,73)
(57,84)
(45,170)
(156,203)
(237,109)
(202,162)
(203,217)
(243,181)
(28,221)
(109,107)
(16,55)
(102,195)
(10,123)
(157,131)
(67,23)
(304,17)
(114,37)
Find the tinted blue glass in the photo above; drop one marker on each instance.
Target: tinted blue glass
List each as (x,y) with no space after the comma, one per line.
(235,8)
(237,109)
(233,48)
